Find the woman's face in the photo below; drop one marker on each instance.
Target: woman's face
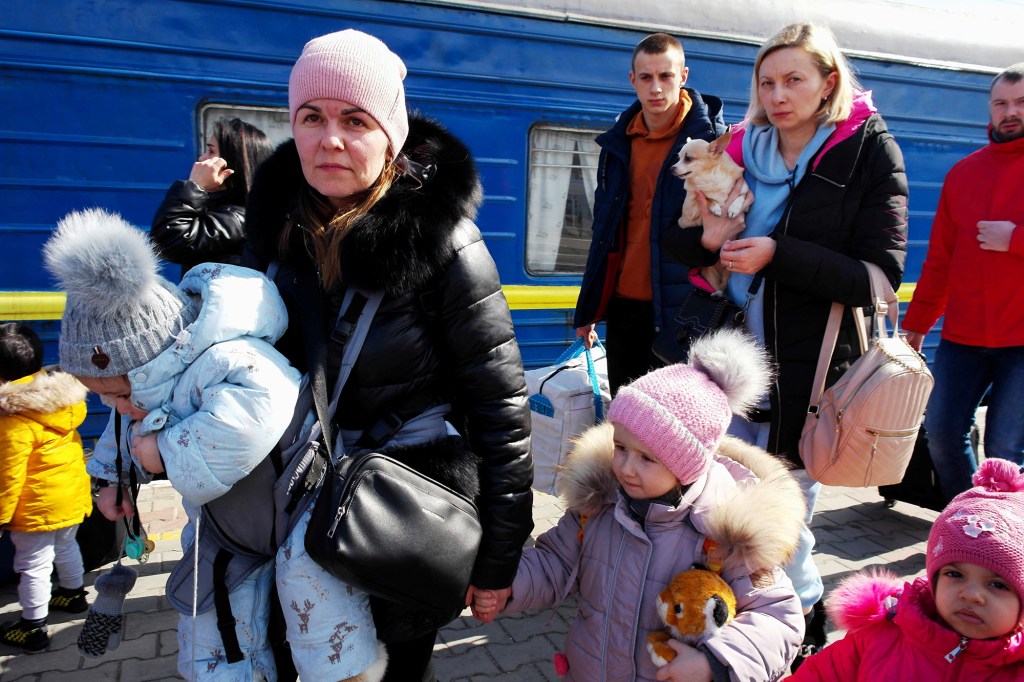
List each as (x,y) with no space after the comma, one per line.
(341,147)
(212,149)
(791,89)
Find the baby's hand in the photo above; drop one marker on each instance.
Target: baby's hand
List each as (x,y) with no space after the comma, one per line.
(106,502)
(689,665)
(148,453)
(489,603)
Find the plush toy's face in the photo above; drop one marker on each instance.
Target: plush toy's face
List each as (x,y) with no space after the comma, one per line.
(696,604)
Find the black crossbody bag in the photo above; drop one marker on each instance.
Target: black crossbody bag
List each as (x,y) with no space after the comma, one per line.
(379,524)
(700,313)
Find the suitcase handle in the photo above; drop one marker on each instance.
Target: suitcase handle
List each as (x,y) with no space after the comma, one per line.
(574,351)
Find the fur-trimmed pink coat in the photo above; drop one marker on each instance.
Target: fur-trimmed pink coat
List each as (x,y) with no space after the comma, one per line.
(895,634)
(747,502)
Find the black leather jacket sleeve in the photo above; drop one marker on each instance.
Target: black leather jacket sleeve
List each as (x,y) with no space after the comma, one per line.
(487,377)
(191,226)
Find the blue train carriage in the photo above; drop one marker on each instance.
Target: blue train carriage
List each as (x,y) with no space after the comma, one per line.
(106,102)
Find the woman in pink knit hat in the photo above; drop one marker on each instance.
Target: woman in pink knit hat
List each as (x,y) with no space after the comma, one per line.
(368,196)
(962,619)
(656,489)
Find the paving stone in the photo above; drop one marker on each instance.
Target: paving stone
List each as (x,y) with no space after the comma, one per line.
(860,548)
(511,656)
(108,672)
(150,669)
(521,629)
(471,661)
(65,659)
(853,527)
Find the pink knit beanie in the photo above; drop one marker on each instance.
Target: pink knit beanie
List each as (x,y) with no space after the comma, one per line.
(680,412)
(984,525)
(354,67)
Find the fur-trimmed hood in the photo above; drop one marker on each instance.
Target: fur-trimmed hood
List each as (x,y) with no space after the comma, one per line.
(406,238)
(43,393)
(757,527)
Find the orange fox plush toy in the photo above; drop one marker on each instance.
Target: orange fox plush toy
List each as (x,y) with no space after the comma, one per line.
(695,605)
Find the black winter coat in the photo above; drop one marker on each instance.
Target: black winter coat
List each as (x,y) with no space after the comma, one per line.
(851,207)
(443,333)
(193,226)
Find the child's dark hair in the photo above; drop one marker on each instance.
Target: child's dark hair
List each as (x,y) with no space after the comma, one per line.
(21,351)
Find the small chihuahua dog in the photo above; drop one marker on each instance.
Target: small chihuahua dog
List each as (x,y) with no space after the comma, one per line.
(706,167)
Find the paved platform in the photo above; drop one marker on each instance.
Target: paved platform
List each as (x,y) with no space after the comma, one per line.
(854,528)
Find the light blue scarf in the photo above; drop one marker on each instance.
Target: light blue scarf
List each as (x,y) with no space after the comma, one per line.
(771,182)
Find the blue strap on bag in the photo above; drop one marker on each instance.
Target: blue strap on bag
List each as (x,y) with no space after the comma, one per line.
(541,404)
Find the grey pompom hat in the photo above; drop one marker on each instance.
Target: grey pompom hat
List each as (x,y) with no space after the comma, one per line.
(120,314)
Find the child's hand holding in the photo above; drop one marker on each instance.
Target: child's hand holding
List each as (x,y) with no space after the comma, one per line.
(489,603)
(146,449)
(689,665)
(106,502)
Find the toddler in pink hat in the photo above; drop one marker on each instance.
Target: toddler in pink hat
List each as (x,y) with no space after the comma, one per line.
(962,620)
(655,490)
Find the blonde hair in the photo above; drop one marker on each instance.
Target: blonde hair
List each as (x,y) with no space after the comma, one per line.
(325,227)
(818,42)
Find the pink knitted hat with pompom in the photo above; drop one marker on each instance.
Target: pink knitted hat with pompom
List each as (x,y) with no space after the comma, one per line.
(354,67)
(680,412)
(984,525)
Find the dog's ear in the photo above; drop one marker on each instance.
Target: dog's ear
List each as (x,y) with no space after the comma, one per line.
(721,144)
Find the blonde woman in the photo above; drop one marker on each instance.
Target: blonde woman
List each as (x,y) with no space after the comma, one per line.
(830,191)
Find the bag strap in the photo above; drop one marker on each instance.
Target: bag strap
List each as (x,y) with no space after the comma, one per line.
(885,301)
(132,526)
(349,334)
(886,305)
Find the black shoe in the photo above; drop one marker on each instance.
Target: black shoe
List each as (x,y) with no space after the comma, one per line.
(69,601)
(28,635)
(815,637)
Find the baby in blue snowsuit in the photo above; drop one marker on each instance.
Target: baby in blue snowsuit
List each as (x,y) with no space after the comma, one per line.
(205,397)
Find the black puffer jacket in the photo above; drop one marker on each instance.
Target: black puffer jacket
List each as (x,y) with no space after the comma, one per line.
(193,226)
(851,207)
(443,332)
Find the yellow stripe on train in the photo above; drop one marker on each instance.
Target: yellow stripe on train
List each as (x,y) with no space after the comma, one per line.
(49,305)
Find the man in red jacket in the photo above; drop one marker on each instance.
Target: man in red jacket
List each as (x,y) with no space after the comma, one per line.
(974,273)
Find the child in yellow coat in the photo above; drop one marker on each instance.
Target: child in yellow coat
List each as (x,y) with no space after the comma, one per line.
(44,490)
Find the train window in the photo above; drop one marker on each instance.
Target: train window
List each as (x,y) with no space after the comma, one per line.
(563,174)
(273,121)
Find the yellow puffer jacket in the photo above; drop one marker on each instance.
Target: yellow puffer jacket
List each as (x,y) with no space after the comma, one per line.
(43,484)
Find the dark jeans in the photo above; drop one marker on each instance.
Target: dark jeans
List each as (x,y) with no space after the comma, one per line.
(629,331)
(962,375)
(410,661)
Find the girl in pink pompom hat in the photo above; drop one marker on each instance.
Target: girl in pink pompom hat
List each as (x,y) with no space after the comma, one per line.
(962,620)
(656,489)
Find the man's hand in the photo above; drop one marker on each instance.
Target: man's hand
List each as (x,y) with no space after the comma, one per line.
(106,502)
(486,604)
(914,340)
(994,235)
(689,665)
(148,453)
(588,334)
